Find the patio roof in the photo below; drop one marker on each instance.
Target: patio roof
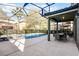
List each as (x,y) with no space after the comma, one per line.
(66,14)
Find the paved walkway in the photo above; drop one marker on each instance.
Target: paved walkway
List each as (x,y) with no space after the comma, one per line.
(40,47)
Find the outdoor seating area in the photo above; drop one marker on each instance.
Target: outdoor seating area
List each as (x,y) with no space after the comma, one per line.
(61,37)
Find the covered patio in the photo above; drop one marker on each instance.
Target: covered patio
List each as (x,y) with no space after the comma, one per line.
(65,15)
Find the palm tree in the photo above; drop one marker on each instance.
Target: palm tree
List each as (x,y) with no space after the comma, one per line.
(18,13)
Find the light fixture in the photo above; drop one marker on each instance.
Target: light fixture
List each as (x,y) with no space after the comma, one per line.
(63,17)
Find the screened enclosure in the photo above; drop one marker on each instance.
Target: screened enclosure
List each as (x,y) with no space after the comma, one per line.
(27,18)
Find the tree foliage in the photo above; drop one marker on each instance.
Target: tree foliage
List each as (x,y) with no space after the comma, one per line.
(3,14)
(18,12)
(35,21)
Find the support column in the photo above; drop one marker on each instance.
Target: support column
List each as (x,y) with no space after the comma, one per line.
(48,29)
(75,29)
(57,36)
(57,28)
(76,23)
(42,12)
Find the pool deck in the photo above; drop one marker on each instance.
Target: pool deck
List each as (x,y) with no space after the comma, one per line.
(39,47)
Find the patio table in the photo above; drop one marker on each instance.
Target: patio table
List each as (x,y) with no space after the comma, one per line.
(61,36)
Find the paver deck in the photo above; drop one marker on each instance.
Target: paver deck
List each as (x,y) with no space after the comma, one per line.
(40,47)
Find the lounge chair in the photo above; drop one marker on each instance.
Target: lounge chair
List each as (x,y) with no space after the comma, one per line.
(3,38)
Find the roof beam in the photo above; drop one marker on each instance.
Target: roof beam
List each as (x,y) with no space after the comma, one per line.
(36,5)
(25,11)
(53,19)
(39,7)
(14,14)
(48,5)
(25,4)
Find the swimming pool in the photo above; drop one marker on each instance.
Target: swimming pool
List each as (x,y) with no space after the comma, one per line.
(32,35)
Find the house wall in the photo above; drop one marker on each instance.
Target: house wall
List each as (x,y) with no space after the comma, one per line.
(8,26)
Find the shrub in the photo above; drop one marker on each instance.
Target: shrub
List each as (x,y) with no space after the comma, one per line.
(35,31)
(1,32)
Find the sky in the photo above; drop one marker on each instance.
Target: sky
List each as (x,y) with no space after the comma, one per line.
(54,7)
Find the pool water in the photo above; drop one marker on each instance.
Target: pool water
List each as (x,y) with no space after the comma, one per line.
(33,35)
